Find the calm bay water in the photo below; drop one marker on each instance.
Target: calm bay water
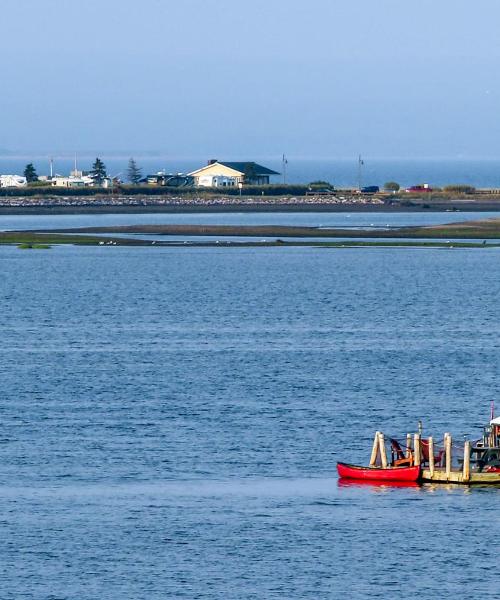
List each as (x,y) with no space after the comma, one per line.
(171,418)
(306,219)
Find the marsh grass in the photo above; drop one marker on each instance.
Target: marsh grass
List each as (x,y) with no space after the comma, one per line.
(26,246)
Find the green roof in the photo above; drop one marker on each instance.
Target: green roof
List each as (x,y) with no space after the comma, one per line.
(243,167)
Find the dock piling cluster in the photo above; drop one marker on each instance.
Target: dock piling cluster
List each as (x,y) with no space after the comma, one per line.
(471,465)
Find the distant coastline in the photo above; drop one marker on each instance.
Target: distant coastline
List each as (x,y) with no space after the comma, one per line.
(342,172)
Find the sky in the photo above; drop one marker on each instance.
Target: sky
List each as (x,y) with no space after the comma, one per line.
(238,79)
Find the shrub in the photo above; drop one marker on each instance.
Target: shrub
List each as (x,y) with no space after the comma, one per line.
(39,184)
(460,189)
(154,190)
(321,183)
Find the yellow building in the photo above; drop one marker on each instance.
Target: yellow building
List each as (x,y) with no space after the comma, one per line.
(229,174)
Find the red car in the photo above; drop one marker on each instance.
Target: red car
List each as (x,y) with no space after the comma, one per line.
(419,188)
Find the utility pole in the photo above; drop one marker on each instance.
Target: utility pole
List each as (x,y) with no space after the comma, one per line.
(360,164)
(284,162)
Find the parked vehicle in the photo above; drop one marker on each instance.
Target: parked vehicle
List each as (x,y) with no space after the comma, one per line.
(370,189)
(423,188)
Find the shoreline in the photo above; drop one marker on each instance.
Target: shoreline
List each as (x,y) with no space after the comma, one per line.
(277,205)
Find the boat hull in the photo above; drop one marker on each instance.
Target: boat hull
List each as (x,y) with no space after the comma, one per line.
(347,471)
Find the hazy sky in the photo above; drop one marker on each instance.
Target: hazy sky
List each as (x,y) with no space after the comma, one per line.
(231,78)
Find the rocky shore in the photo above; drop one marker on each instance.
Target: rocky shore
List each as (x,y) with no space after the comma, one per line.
(215,203)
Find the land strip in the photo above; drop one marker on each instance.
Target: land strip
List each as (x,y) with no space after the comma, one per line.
(455,234)
(51,238)
(28,240)
(484,229)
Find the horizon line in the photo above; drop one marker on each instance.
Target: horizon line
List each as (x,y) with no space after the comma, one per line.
(278,157)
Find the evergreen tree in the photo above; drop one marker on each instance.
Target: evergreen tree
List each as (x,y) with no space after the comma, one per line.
(98,172)
(134,173)
(250,173)
(30,173)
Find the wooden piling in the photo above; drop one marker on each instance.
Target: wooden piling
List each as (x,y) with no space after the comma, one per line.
(416,449)
(430,443)
(383,454)
(466,472)
(447,449)
(408,445)
(373,458)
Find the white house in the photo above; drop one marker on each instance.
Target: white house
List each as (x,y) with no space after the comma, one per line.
(13,181)
(225,174)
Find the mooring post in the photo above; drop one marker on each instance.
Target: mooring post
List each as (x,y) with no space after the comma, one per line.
(383,454)
(408,445)
(430,443)
(373,458)
(466,472)
(447,450)
(416,449)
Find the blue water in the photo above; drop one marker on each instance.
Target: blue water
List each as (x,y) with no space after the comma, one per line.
(171,418)
(342,172)
(297,219)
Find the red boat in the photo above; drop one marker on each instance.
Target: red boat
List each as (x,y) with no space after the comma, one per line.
(346,471)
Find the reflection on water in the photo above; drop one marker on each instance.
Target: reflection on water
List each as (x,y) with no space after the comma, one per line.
(378,485)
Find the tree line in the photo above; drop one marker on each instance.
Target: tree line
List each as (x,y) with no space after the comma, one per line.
(98,172)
